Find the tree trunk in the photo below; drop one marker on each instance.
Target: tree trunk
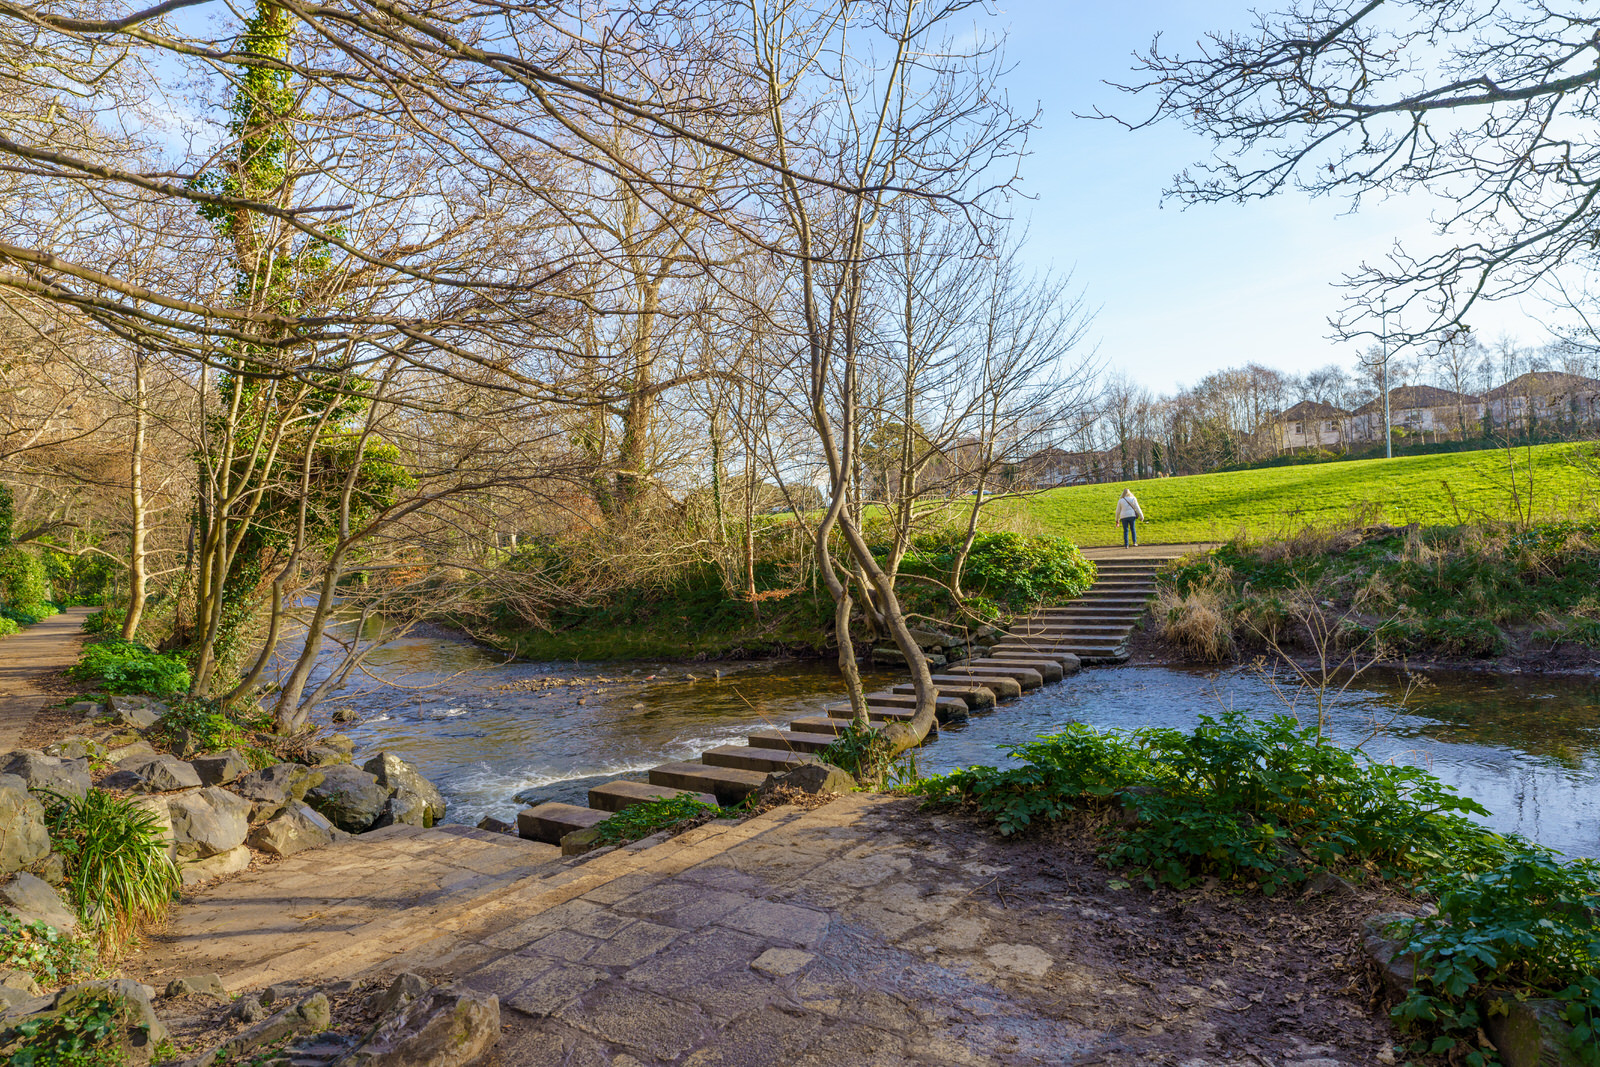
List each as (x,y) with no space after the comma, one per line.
(136,546)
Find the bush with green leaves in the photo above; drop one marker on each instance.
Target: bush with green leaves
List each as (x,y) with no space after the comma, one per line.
(119,666)
(24,588)
(861,750)
(119,874)
(8,626)
(50,956)
(1526,927)
(653,816)
(195,724)
(104,621)
(88,1034)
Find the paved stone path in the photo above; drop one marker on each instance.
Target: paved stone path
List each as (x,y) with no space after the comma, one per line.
(26,658)
(1173,551)
(859,932)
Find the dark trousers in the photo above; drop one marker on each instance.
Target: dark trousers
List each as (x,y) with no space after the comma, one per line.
(1130,530)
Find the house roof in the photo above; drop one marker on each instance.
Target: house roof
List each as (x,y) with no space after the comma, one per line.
(1417,396)
(1313,409)
(1544,383)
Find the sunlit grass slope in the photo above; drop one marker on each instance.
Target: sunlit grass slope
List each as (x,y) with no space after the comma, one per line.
(1434,490)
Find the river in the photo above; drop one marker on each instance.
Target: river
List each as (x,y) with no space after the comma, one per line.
(497,735)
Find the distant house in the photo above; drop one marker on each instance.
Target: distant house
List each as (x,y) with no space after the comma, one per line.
(1544,396)
(1418,409)
(1313,424)
(1050,467)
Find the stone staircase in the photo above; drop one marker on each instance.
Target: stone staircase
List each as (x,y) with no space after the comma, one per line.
(1041,648)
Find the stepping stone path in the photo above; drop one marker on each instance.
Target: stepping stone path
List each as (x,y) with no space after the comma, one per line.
(1037,650)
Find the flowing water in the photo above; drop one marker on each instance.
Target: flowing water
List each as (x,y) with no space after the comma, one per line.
(496,735)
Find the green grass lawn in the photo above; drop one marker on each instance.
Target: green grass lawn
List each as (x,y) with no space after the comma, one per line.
(1434,490)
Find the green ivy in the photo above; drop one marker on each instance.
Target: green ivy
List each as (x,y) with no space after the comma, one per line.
(42,951)
(85,1036)
(654,816)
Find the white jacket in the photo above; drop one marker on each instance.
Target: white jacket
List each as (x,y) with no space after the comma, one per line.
(1128,508)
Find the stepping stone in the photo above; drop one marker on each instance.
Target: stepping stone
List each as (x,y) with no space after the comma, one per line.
(746,758)
(792,740)
(1049,670)
(551,822)
(886,699)
(946,710)
(1025,677)
(728,784)
(617,796)
(973,694)
(821,725)
(842,710)
(1067,661)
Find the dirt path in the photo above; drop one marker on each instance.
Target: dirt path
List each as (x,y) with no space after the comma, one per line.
(27,660)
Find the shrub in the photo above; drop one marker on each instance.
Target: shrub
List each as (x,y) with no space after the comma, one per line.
(1197,622)
(24,590)
(8,626)
(42,951)
(860,750)
(1527,927)
(118,872)
(104,621)
(198,725)
(1027,570)
(120,666)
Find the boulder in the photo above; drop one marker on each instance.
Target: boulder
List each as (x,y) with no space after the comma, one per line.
(295,830)
(446,1027)
(53,869)
(400,992)
(892,656)
(812,776)
(208,822)
(1383,943)
(327,756)
(350,797)
(140,713)
(33,899)
(404,807)
(137,1035)
(73,748)
(310,1016)
(269,789)
(931,641)
(23,838)
(212,867)
(87,708)
(66,777)
(157,806)
(1529,1033)
(130,751)
(394,773)
(153,774)
(220,768)
(496,826)
(197,985)
(249,1009)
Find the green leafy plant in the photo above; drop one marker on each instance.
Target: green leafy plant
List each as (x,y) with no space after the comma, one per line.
(86,1036)
(860,749)
(41,950)
(24,588)
(654,816)
(104,621)
(128,667)
(1524,928)
(200,725)
(118,872)
(8,626)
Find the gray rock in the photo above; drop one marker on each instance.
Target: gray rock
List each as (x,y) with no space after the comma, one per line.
(812,776)
(932,641)
(133,750)
(220,768)
(138,1032)
(295,830)
(208,822)
(213,867)
(405,807)
(53,869)
(24,840)
(13,998)
(402,991)
(157,806)
(1397,970)
(140,713)
(1070,663)
(269,789)
(341,742)
(1529,1033)
(394,773)
(73,748)
(197,985)
(447,1027)
(157,774)
(33,899)
(311,1015)
(68,778)
(87,708)
(249,1009)
(327,756)
(350,797)
(891,656)
(496,826)
(343,715)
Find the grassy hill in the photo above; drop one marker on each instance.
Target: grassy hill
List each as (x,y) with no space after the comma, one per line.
(1434,490)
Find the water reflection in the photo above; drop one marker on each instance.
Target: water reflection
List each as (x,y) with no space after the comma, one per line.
(490,732)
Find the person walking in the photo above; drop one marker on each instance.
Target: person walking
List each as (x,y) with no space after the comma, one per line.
(1129,513)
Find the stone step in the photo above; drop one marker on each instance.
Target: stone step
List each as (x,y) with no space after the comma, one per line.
(728,784)
(822,725)
(553,821)
(1121,626)
(886,699)
(1048,669)
(1002,687)
(617,796)
(746,758)
(843,710)
(1089,611)
(793,740)
(976,694)
(1025,677)
(1110,633)
(1022,650)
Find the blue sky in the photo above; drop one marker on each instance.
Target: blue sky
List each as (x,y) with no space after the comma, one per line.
(1182,291)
